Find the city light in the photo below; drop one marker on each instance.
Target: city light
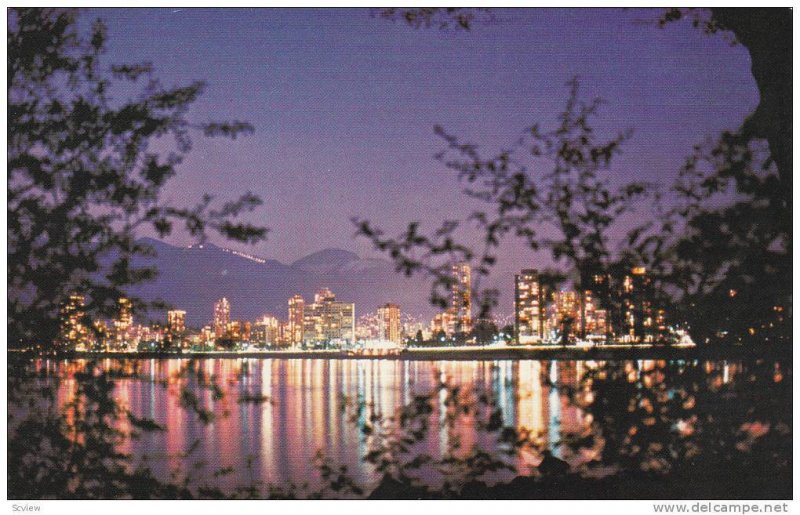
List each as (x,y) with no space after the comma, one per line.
(543,318)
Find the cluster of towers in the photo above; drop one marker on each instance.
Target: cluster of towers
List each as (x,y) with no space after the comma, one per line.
(321,323)
(119,333)
(627,315)
(619,309)
(384,325)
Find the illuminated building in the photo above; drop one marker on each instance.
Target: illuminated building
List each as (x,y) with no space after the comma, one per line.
(529,308)
(412,329)
(368,327)
(585,320)
(207,334)
(602,291)
(176,321)
(660,328)
(125,315)
(324,295)
(101,336)
(237,330)
(124,321)
(267,331)
(596,319)
(639,323)
(222,317)
(328,322)
(234,330)
(72,313)
(148,336)
(296,315)
(565,311)
(389,323)
(461,302)
(283,334)
(443,323)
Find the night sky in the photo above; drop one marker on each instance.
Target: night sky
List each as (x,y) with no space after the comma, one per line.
(344,105)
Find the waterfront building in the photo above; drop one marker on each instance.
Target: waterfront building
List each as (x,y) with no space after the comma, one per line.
(267,331)
(73,331)
(124,320)
(389,323)
(124,331)
(144,334)
(328,321)
(603,293)
(295,323)
(443,323)
(461,298)
(176,321)
(593,320)
(368,327)
(413,328)
(222,317)
(99,339)
(207,334)
(283,334)
(564,312)
(529,307)
(637,306)
(237,330)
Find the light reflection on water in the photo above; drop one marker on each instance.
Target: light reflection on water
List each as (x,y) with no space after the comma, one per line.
(309,409)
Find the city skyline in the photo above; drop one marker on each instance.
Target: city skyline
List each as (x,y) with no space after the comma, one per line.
(612,310)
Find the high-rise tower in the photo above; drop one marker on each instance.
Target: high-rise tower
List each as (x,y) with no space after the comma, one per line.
(73,331)
(176,321)
(529,309)
(389,323)
(461,302)
(295,326)
(222,317)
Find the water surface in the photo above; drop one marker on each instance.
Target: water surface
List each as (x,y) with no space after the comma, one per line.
(276,415)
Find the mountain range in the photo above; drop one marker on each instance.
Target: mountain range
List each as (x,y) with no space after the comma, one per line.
(193,278)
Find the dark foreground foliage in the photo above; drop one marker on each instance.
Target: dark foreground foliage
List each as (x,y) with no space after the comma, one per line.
(91,146)
(717,242)
(733,484)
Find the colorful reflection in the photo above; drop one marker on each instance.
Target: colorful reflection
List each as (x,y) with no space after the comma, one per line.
(275,415)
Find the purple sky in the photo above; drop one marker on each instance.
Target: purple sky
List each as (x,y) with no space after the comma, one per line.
(344,104)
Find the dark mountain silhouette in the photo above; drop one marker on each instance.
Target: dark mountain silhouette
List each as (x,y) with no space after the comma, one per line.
(193,278)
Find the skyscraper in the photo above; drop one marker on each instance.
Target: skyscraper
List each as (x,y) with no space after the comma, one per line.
(593,320)
(461,302)
(389,323)
(565,312)
(124,320)
(637,306)
(295,325)
(73,331)
(222,317)
(176,321)
(603,292)
(529,309)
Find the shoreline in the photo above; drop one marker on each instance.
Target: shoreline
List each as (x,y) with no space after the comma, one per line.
(470,354)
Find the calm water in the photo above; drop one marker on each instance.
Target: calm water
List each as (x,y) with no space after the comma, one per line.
(310,406)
